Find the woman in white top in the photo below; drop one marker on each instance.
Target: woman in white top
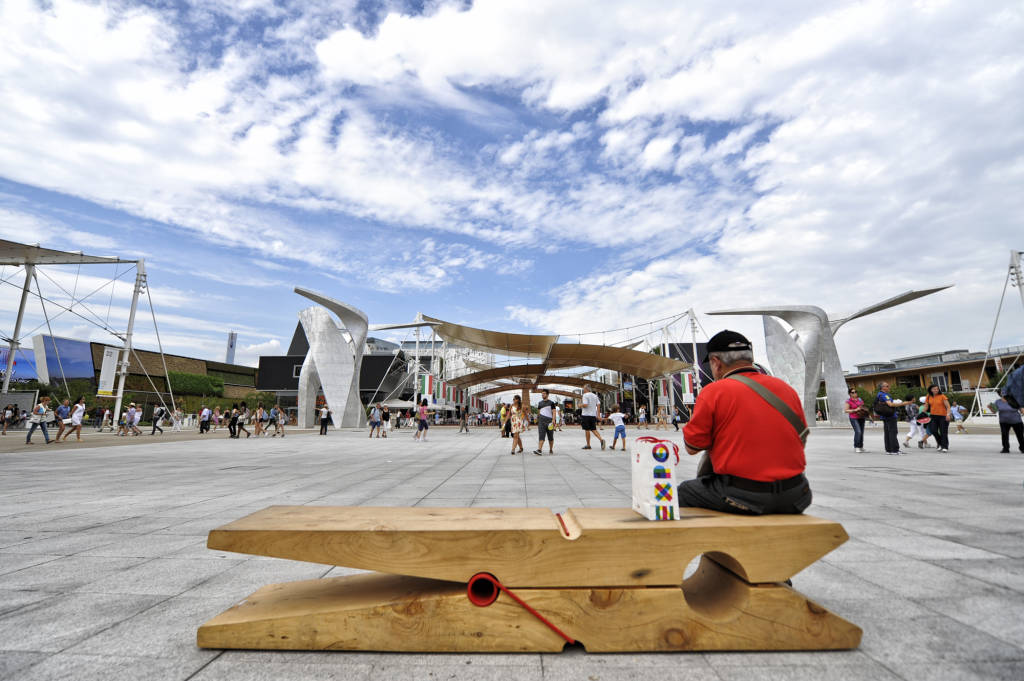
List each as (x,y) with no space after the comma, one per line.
(77,412)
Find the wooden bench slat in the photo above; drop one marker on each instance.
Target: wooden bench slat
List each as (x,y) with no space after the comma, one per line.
(527,547)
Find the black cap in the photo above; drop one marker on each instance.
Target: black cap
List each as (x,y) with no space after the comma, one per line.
(726,341)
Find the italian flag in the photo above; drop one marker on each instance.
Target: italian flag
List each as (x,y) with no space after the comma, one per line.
(687,382)
(663,387)
(426,384)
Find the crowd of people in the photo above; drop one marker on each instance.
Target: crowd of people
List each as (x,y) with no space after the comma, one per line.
(929,420)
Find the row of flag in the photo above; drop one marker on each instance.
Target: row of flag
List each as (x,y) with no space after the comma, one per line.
(684,380)
(442,390)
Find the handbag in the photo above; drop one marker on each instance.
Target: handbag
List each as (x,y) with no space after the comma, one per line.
(883,409)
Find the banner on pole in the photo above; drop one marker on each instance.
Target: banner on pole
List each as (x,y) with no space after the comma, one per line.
(426,385)
(664,393)
(107,370)
(688,384)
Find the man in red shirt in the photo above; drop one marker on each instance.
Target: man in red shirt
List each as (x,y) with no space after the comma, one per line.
(755,450)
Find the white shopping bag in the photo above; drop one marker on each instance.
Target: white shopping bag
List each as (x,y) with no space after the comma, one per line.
(655,476)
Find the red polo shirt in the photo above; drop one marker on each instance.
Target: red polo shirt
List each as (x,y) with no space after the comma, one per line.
(745,435)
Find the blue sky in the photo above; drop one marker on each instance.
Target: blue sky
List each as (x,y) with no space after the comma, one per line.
(566,166)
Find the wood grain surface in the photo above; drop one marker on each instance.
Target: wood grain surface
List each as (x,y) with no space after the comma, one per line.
(713,610)
(527,547)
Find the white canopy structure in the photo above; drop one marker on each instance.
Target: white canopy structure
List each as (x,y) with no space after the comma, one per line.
(30,256)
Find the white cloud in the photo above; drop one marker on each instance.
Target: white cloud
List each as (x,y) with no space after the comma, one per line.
(815,149)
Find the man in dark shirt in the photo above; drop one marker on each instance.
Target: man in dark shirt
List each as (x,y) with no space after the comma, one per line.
(545,418)
(753,445)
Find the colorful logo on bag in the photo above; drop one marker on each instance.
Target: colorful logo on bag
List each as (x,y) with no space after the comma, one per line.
(660,452)
(665,513)
(663,491)
(662,473)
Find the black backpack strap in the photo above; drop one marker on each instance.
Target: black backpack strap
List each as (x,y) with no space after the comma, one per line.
(780,406)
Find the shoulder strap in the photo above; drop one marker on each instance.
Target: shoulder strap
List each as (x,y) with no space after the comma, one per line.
(780,406)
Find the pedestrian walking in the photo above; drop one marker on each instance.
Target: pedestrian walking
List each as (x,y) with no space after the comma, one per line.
(618,419)
(38,420)
(641,418)
(233,422)
(158,416)
(325,416)
(517,421)
(204,419)
(282,419)
(130,420)
(375,419)
(959,414)
(178,418)
(1009,419)
(63,418)
(938,407)
(423,425)
(505,421)
(588,417)
(911,411)
(8,417)
(464,420)
(385,420)
(545,423)
(77,414)
(857,411)
(885,406)
(243,419)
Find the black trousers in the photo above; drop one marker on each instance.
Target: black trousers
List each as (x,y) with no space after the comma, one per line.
(1018,430)
(939,428)
(156,427)
(323,426)
(714,491)
(233,427)
(891,435)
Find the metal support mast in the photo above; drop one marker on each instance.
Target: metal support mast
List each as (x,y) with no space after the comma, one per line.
(126,353)
(30,271)
(698,383)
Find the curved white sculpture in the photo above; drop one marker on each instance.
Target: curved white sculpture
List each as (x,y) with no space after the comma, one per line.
(333,361)
(801,357)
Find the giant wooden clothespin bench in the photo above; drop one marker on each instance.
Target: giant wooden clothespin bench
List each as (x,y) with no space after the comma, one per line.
(524,579)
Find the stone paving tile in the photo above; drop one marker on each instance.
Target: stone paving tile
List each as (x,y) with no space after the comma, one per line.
(1000,613)
(159,576)
(226,669)
(13,600)
(70,667)
(458,671)
(67,573)
(932,638)
(916,578)
(1007,572)
(12,562)
(12,662)
(62,543)
(859,672)
(54,624)
(960,671)
(935,550)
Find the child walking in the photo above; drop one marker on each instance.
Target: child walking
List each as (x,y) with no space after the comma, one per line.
(617,418)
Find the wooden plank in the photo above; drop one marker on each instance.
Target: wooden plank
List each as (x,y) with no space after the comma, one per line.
(612,547)
(393,613)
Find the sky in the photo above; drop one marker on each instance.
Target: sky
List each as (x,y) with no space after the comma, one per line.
(553,167)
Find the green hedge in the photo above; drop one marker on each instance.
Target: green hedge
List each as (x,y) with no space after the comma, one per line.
(196,384)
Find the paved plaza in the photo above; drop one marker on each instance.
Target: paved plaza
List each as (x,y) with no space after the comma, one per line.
(104,572)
